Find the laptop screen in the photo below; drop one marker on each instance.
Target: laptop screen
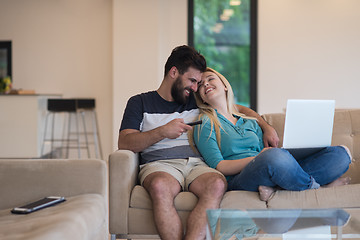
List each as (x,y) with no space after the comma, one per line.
(308,123)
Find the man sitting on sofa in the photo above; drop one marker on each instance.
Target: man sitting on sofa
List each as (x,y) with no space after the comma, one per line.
(153,124)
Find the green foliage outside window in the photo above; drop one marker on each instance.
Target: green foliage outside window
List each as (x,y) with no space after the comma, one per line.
(222,35)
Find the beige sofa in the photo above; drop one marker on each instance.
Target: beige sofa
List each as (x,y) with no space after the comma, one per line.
(130,207)
(83,182)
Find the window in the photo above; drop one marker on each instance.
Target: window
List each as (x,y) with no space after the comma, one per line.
(224,31)
(5,59)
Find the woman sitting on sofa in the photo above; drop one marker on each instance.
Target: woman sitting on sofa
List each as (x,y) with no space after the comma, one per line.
(232,143)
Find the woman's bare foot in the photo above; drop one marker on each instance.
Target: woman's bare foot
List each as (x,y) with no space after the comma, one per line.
(339,182)
(265,192)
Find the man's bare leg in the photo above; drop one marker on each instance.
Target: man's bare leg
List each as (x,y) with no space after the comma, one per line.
(209,188)
(163,188)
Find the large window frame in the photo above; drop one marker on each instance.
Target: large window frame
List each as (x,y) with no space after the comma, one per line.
(253,46)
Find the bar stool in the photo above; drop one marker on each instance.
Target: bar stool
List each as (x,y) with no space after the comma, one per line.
(88,105)
(73,108)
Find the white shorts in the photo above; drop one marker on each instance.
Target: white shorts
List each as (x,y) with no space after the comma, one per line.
(183,170)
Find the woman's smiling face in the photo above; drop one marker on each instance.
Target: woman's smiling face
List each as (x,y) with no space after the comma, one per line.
(211,87)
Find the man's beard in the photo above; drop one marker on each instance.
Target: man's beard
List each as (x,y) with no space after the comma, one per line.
(177,92)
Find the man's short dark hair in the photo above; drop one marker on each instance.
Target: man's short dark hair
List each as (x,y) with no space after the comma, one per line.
(183,57)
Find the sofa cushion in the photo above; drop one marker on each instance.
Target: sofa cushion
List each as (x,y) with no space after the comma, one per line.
(347,130)
(277,120)
(353,172)
(184,201)
(336,197)
(49,177)
(79,217)
(242,200)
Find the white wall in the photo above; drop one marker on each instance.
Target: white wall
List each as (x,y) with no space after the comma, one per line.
(63,47)
(144,33)
(308,49)
(112,50)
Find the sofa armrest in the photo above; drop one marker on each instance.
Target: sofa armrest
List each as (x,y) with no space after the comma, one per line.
(123,172)
(26,180)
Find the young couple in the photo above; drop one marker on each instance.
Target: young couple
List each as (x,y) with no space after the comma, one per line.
(230,142)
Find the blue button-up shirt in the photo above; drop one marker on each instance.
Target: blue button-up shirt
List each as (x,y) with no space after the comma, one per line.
(242,140)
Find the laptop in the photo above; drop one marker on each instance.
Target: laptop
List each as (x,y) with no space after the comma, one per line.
(308,126)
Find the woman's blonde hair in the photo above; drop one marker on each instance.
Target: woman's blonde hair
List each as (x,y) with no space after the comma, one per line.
(206,109)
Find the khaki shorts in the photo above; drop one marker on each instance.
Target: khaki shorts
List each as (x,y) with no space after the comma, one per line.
(183,170)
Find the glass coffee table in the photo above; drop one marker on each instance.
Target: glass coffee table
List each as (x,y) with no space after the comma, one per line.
(294,224)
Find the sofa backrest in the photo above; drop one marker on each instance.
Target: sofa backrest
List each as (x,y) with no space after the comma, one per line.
(346,132)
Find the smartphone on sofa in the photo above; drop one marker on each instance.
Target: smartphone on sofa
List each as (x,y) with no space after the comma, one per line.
(37,205)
